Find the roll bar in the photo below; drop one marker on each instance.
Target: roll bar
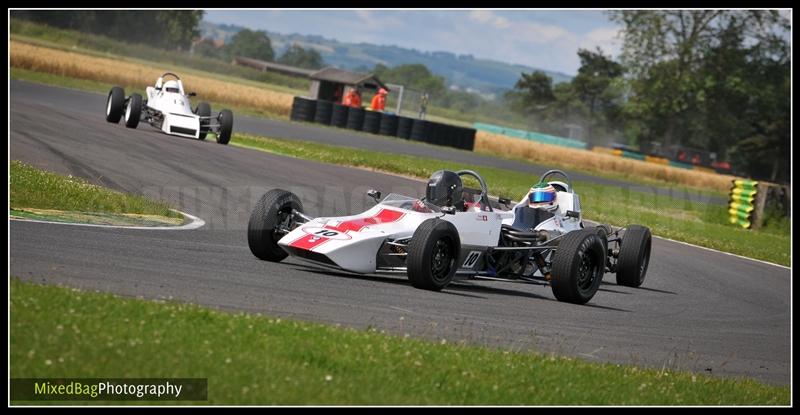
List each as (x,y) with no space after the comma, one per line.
(484,188)
(551,172)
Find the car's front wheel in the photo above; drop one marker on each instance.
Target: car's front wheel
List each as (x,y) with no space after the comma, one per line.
(433,254)
(634,256)
(204,110)
(115,104)
(225,119)
(578,266)
(268,223)
(134,111)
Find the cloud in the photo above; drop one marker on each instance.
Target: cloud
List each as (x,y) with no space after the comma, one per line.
(487,17)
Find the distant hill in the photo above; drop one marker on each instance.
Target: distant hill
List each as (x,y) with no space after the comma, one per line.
(488,77)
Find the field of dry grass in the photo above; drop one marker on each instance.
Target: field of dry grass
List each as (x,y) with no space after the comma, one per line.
(125,73)
(598,161)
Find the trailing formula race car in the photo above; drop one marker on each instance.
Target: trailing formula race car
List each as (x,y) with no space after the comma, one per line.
(457,232)
(167,108)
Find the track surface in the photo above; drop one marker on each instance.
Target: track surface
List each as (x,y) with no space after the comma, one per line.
(698,310)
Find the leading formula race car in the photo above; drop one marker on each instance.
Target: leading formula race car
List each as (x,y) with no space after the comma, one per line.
(456,232)
(167,108)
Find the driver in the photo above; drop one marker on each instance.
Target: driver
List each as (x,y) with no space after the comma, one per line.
(445,189)
(172,86)
(542,196)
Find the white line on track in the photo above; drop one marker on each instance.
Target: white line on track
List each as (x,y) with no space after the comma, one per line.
(194,224)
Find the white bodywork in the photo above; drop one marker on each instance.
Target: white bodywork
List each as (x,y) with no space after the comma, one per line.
(352,242)
(178,118)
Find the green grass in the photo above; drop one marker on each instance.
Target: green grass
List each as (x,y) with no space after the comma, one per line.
(254,359)
(697,223)
(38,189)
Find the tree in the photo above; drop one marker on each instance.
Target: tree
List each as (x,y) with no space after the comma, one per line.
(413,76)
(251,44)
(592,84)
(303,58)
(535,91)
(711,79)
(168,29)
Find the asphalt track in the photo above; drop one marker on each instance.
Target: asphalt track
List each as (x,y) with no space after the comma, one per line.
(698,310)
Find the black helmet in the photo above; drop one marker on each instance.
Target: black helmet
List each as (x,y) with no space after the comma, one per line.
(444,189)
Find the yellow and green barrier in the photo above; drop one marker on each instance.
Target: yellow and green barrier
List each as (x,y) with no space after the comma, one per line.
(742,202)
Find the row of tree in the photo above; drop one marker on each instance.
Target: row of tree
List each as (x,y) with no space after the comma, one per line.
(168,29)
(172,30)
(717,80)
(257,45)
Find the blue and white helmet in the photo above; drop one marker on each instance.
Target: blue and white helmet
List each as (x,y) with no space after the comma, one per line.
(542,196)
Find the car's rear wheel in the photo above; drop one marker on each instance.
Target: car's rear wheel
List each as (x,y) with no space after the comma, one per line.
(578,266)
(133,111)
(433,255)
(115,104)
(225,119)
(271,215)
(204,110)
(634,256)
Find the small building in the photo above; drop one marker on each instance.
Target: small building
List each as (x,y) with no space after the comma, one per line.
(331,84)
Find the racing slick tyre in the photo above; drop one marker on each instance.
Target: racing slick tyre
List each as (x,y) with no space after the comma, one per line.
(273,209)
(603,231)
(133,111)
(578,266)
(115,105)
(225,119)
(433,254)
(634,256)
(204,110)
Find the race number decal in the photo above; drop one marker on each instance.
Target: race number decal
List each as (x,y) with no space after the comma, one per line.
(325,233)
(472,258)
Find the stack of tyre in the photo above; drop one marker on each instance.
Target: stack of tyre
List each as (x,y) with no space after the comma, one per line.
(375,122)
(303,109)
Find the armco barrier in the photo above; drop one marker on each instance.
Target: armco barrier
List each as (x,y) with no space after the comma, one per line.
(339,115)
(324,112)
(303,109)
(531,135)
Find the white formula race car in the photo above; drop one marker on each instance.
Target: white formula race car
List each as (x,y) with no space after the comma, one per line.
(167,108)
(456,232)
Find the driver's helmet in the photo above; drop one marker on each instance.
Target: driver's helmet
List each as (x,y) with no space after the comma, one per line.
(542,196)
(172,86)
(444,189)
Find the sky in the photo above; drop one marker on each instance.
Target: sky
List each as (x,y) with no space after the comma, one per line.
(546,39)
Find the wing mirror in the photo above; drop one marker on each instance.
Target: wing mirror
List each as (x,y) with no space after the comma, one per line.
(374,194)
(573,214)
(504,201)
(192,94)
(450,210)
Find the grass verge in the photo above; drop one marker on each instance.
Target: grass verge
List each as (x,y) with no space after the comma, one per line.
(693,222)
(38,194)
(253,359)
